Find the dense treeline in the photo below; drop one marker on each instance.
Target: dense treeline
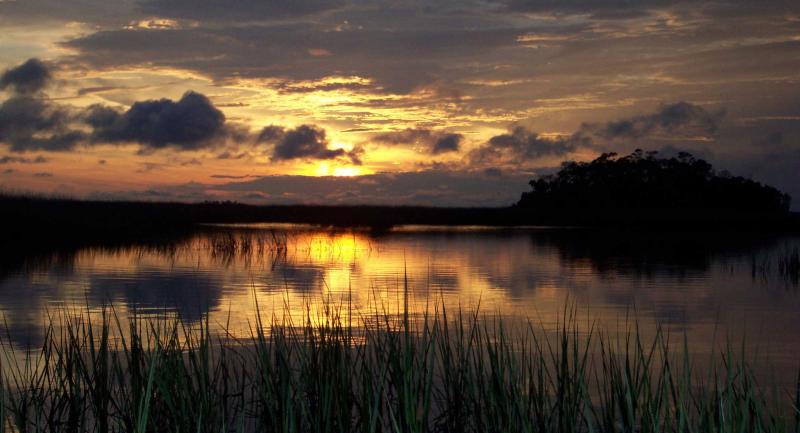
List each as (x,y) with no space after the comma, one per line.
(643,180)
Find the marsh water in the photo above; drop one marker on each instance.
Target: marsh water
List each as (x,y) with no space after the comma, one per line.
(709,289)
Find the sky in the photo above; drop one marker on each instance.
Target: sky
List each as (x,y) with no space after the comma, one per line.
(446,103)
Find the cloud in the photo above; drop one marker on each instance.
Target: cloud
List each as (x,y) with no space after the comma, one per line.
(428,187)
(230,155)
(493,172)
(53,13)
(271,133)
(447,143)
(387,59)
(681,119)
(96,89)
(596,8)
(231,176)
(29,77)
(631,10)
(235,10)
(304,142)
(521,145)
(28,123)
(773,139)
(22,160)
(428,141)
(677,120)
(190,123)
(31,122)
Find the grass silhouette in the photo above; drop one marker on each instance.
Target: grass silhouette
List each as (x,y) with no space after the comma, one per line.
(343,372)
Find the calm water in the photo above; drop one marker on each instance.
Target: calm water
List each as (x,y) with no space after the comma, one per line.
(708,288)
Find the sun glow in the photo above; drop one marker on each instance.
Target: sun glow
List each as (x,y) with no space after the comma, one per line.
(346,171)
(325,169)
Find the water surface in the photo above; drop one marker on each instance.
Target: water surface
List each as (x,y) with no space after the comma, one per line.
(708,288)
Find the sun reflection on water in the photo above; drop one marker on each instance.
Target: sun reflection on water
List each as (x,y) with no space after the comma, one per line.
(228,274)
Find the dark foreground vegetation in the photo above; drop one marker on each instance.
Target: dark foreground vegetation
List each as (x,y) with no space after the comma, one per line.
(377,373)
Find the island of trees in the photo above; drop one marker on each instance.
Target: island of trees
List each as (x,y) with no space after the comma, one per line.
(644,181)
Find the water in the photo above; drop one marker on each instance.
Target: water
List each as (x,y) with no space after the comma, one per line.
(707,288)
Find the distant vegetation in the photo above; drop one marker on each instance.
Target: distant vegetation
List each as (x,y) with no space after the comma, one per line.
(643,180)
(640,189)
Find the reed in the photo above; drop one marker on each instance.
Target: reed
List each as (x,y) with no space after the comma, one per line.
(789,265)
(440,371)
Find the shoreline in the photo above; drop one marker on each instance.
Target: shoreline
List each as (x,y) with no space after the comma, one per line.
(53,220)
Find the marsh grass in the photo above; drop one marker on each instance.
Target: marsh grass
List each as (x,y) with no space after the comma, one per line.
(784,264)
(337,371)
(789,265)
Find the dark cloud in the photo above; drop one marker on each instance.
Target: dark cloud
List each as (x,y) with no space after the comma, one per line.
(522,145)
(100,116)
(231,155)
(426,187)
(427,140)
(189,162)
(43,174)
(230,176)
(271,134)
(493,171)
(32,122)
(151,166)
(28,123)
(306,87)
(22,160)
(429,187)
(191,123)
(447,143)
(597,8)
(395,60)
(235,10)
(96,89)
(629,9)
(406,136)
(681,119)
(29,77)
(304,142)
(53,12)
(773,139)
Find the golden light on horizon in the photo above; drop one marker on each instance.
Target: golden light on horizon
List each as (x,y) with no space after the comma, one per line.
(346,171)
(323,169)
(329,169)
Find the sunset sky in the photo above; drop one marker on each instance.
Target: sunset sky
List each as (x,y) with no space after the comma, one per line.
(393,102)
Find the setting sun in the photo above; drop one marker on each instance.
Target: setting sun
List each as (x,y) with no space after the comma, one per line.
(346,171)
(325,169)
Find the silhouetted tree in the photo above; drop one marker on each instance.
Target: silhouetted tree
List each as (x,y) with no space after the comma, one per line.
(642,180)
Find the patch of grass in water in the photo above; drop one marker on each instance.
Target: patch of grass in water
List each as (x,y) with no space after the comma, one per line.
(439,372)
